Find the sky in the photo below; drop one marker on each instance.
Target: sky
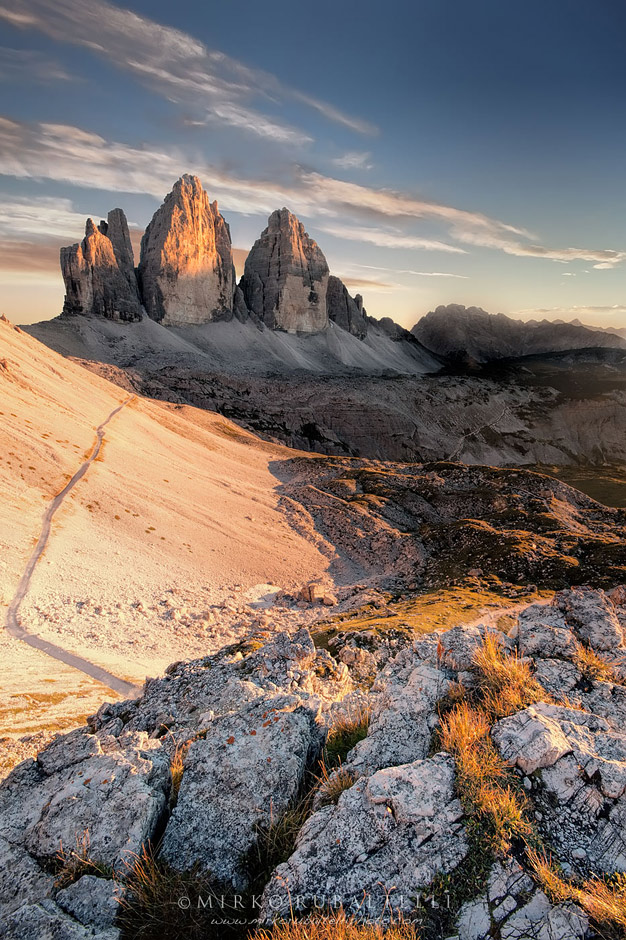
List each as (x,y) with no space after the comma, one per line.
(439,151)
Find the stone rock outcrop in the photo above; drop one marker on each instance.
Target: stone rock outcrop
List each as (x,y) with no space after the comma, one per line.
(512,907)
(286,277)
(250,720)
(379,837)
(116,230)
(344,310)
(98,273)
(272,742)
(186,271)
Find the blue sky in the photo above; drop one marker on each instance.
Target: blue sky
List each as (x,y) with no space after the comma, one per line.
(467,151)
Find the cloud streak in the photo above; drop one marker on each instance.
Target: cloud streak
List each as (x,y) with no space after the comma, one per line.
(69,154)
(386,239)
(175,64)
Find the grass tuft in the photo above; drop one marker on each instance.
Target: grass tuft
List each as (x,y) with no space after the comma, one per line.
(604,900)
(73,864)
(593,667)
(337,926)
(151,907)
(505,682)
(177,769)
(332,783)
(346,732)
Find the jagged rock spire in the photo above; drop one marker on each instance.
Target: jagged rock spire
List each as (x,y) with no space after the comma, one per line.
(186,269)
(286,276)
(98,273)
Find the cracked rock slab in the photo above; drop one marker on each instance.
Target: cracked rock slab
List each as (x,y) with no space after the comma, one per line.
(115,792)
(389,835)
(242,775)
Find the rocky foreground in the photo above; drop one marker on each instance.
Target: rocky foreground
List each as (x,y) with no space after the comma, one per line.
(192,777)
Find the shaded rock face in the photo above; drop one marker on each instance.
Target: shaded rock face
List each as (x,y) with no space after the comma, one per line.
(344,310)
(186,270)
(286,277)
(99,274)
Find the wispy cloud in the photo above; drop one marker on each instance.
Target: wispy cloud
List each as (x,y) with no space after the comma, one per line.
(176,64)
(386,239)
(463,277)
(353,160)
(19,65)
(43,218)
(369,284)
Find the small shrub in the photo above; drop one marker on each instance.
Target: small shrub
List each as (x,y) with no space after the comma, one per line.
(344,734)
(505,682)
(337,926)
(604,900)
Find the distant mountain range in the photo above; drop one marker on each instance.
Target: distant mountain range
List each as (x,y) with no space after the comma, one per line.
(470,334)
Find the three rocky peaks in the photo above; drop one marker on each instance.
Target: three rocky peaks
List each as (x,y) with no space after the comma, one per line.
(186,274)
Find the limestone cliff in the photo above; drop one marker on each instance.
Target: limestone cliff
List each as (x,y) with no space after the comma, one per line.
(286,277)
(186,269)
(344,310)
(98,272)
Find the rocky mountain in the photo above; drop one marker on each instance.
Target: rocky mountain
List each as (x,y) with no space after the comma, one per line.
(186,279)
(286,277)
(472,334)
(186,269)
(99,272)
(471,754)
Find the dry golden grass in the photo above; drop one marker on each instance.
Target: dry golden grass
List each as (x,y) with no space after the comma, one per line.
(347,730)
(505,682)
(593,667)
(177,769)
(337,927)
(604,901)
(482,777)
(73,864)
(332,783)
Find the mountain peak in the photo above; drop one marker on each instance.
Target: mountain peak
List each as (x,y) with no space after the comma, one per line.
(286,277)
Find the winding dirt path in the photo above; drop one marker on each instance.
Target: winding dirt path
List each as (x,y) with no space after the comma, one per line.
(13,622)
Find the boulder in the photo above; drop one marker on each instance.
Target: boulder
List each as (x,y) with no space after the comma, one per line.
(543,631)
(99,276)
(592,616)
(286,277)
(241,776)
(186,269)
(114,798)
(403,717)
(387,838)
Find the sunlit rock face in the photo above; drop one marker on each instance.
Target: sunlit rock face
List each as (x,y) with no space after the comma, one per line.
(286,277)
(186,270)
(99,273)
(344,310)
